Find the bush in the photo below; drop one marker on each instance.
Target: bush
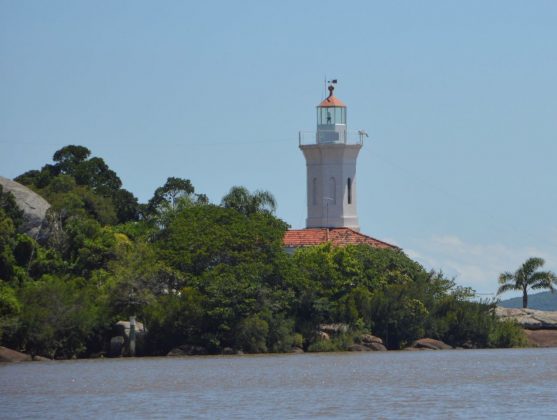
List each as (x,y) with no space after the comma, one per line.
(323,346)
(252,335)
(506,334)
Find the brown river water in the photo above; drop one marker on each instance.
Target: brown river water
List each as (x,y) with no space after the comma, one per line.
(509,384)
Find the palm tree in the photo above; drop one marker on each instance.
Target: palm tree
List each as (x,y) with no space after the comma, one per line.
(527,276)
(241,199)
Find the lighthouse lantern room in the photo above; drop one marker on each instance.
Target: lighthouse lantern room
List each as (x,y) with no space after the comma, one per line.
(331,120)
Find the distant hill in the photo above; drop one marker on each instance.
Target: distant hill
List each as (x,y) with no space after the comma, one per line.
(544,301)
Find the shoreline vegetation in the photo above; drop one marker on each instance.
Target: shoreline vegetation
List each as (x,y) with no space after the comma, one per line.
(208,276)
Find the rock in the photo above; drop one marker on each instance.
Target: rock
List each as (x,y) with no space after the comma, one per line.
(188,350)
(123,328)
(541,338)
(228,351)
(116,346)
(358,347)
(333,329)
(34,207)
(295,349)
(368,339)
(321,335)
(41,359)
(430,344)
(469,345)
(530,319)
(376,347)
(11,356)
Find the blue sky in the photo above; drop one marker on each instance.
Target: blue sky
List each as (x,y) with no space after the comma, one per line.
(459,99)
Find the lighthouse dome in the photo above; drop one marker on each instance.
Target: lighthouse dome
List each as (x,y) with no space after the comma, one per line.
(331,100)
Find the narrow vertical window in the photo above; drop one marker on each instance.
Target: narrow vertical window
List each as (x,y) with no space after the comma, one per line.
(349,187)
(314,191)
(333,190)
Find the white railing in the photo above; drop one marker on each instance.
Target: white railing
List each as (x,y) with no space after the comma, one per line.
(351,137)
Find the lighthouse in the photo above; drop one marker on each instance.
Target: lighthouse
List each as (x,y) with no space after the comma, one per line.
(331,168)
(331,156)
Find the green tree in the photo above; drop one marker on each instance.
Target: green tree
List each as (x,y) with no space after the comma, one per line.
(57,317)
(170,192)
(9,205)
(527,276)
(240,199)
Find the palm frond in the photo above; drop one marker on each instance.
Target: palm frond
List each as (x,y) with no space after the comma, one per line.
(531,265)
(506,287)
(506,277)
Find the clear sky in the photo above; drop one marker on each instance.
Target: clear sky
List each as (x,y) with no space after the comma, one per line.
(459,99)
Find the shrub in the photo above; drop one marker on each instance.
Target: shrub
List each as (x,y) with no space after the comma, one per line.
(506,334)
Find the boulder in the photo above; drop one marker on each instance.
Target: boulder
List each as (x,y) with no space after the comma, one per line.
(34,207)
(188,350)
(430,344)
(530,319)
(542,338)
(228,351)
(116,346)
(296,349)
(376,347)
(358,347)
(11,356)
(333,329)
(368,339)
(123,328)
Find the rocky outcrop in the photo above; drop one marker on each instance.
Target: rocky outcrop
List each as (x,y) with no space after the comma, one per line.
(530,319)
(187,350)
(541,338)
(358,347)
(123,328)
(120,340)
(34,207)
(372,342)
(429,344)
(333,329)
(116,346)
(376,347)
(11,356)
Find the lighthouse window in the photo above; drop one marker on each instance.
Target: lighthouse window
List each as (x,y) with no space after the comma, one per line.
(349,187)
(314,191)
(333,190)
(331,115)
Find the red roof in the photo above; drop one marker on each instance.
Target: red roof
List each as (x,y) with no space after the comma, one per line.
(330,102)
(337,236)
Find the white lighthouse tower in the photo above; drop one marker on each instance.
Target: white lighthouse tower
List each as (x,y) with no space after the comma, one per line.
(331,169)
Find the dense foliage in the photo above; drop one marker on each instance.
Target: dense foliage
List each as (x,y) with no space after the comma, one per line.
(212,276)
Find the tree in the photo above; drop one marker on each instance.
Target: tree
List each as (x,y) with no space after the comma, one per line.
(170,192)
(9,205)
(527,276)
(68,157)
(240,199)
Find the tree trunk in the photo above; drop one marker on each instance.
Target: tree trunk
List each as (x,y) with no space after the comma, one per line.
(524,298)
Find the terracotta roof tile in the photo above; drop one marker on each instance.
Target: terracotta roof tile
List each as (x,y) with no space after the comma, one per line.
(337,236)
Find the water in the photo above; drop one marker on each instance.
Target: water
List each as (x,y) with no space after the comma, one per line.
(435,384)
